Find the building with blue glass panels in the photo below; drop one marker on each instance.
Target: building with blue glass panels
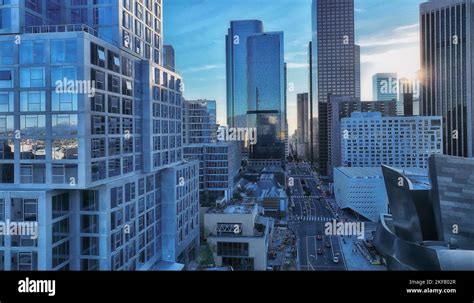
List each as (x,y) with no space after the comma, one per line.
(90,125)
(266,99)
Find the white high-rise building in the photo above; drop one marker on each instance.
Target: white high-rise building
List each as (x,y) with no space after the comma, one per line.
(370,140)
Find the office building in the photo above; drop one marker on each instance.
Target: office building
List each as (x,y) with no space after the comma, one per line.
(370,140)
(430,227)
(343,107)
(313,123)
(199,121)
(266,110)
(236,69)
(405,104)
(447,60)
(385,87)
(303,126)
(88,165)
(239,236)
(334,69)
(219,168)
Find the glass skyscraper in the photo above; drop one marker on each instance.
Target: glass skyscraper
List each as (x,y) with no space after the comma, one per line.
(98,165)
(447,60)
(266,95)
(236,67)
(334,63)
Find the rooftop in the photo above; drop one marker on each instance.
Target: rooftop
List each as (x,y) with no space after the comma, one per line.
(242,209)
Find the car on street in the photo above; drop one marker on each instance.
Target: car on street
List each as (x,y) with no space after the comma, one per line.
(335,260)
(319,237)
(328,244)
(320,251)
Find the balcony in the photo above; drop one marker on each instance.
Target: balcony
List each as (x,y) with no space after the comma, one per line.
(62,28)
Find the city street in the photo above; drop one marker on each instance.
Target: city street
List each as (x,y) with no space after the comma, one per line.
(308,216)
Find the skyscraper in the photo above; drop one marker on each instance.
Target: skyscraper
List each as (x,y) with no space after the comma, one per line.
(385,87)
(334,62)
(199,121)
(303,125)
(236,68)
(98,168)
(266,95)
(447,61)
(405,104)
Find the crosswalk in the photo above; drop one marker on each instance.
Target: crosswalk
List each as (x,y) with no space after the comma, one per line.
(313,219)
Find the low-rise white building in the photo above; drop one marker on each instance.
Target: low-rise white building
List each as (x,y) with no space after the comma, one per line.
(238,236)
(361,189)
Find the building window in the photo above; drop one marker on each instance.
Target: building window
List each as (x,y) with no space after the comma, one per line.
(64,125)
(6,79)
(98,103)
(114,84)
(97,55)
(6,102)
(32,101)
(32,52)
(114,62)
(127,67)
(99,79)
(98,148)
(98,125)
(32,77)
(233,249)
(7,51)
(65,149)
(114,105)
(127,87)
(33,125)
(63,51)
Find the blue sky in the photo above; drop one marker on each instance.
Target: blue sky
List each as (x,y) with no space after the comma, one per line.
(387,31)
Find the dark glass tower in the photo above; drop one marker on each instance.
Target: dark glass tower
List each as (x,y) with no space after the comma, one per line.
(334,63)
(266,94)
(447,54)
(236,65)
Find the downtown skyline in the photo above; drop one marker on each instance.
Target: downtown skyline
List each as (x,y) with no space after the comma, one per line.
(388,43)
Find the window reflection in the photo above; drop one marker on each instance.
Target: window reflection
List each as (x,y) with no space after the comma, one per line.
(33,149)
(33,125)
(7,149)
(65,149)
(6,126)
(64,125)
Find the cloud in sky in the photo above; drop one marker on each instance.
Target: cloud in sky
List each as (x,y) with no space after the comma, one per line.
(205,68)
(297,65)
